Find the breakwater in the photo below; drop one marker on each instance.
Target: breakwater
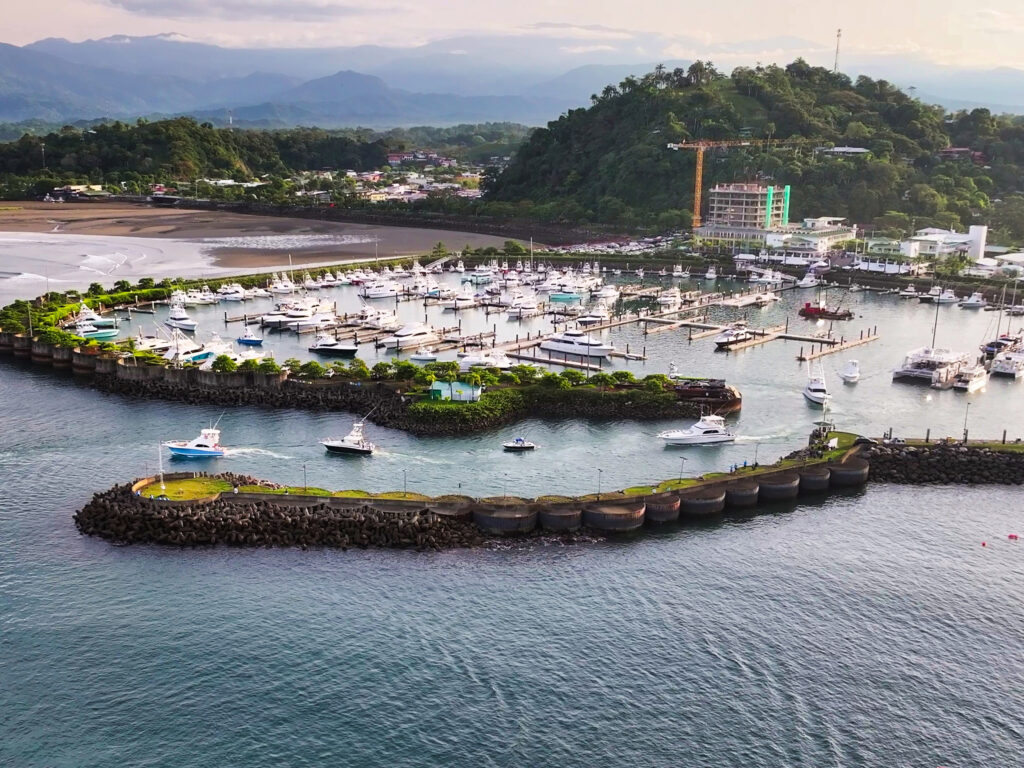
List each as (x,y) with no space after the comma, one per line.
(261,515)
(952,463)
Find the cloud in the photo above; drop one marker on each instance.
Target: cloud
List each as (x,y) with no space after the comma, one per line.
(246,10)
(580,31)
(586,48)
(995,22)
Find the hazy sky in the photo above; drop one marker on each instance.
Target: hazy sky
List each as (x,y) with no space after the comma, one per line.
(946,31)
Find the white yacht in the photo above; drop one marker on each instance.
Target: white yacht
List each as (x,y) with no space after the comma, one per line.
(711,274)
(975,301)
(810,280)
(327,345)
(89,316)
(850,372)
(710,429)
(576,343)
(486,359)
(231,292)
(411,336)
(608,292)
(971,378)
(258,293)
(155,344)
(183,349)
(380,289)
(424,355)
(670,298)
(523,306)
(354,442)
(321,321)
(933,294)
(464,299)
(947,296)
(1010,364)
(910,292)
(937,367)
(595,315)
(178,318)
(816,390)
(733,335)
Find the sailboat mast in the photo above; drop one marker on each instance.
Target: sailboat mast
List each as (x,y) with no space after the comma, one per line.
(935,325)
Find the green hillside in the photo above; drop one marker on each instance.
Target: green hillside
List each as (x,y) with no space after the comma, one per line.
(610,163)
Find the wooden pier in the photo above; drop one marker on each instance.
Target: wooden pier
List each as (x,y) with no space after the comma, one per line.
(871,334)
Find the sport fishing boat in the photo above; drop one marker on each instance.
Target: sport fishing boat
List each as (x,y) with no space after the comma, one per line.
(327,345)
(204,446)
(971,379)
(519,445)
(815,391)
(88,315)
(910,292)
(975,301)
(948,296)
(710,429)
(424,355)
(354,442)
(249,338)
(711,274)
(933,293)
(576,342)
(178,318)
(810,280)
(491,359)
(733,335)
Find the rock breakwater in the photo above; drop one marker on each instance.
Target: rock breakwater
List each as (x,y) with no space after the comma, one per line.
(945,463)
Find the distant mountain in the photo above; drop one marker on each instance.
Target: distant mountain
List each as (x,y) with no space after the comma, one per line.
(577,85)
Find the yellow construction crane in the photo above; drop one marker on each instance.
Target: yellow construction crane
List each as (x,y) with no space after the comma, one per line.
(700,146)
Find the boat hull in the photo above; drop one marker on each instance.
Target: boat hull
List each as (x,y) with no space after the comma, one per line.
(347,449)
(699,440)
(249,342)
(181,325)
(519,448)
(335,351)
(194,453)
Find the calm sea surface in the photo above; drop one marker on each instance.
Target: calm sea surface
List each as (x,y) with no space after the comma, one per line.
(869,630)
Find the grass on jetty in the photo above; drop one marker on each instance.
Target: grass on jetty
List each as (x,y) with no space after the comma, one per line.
(191,488)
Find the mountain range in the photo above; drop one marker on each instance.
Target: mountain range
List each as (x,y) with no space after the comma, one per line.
(459,79)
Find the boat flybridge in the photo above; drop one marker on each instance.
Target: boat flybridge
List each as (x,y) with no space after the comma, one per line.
(575,342)
(178,318)
(816,391)
(710,429)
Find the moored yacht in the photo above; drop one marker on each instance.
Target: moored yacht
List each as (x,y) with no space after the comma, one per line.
(710,429)
(910,292)
(249,338)
(327,345)
(413,335)
(975,301)
(970,379)
(711,274)
(87,330)
(576,343)
(178,318)
(810,280)
(733,335)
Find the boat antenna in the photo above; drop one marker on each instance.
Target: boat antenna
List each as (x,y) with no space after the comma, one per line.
(218,420)
(370,413)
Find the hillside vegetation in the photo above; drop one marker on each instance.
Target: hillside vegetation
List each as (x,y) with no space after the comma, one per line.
(610,163)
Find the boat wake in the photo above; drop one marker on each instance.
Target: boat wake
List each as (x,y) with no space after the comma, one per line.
(233,452)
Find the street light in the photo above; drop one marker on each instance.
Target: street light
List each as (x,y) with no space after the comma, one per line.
(405,486)
(599,473)
(682,467)
(305,487)
(967,412)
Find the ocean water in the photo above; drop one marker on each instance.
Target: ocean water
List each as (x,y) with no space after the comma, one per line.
(867,630)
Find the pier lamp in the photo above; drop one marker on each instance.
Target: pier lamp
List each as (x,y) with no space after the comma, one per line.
(305,486)
(682,467)
(967,412)
(599,473)
(405,486)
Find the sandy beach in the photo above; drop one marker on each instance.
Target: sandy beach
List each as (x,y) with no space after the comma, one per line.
(234,240)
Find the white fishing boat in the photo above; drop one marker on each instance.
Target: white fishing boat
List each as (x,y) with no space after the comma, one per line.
(231,292)
(710,429)
(670,298)
(310,284)
(411,336)
(327,345)
(596,315)
(177,317)
(155,344)
(850,372)
(816,391)
(354,442)
(424,355)
(933,293)
(182,349)
(459,266)
(711,274)
(733,335)
(380,289)
(464,299)
(523,306)
(574,342)
(249,338)
(608,292)
(947,296)
(257,293)
(910,292)
(321,321)
(970,378)
(91,317)
(281,285)
(485,359)
(207,445)
(809,280)
(975,301)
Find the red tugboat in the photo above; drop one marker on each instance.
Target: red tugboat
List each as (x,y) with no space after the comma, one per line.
(818,311)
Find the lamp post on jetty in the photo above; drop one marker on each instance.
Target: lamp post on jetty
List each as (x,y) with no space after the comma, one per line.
(967,412)
(405,486)
(682,468)
(305,486)
(599,473)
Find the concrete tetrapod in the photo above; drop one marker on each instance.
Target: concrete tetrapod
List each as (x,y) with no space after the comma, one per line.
(779,487)
(814,479)
(613,517)
(707,501)
(852,473)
